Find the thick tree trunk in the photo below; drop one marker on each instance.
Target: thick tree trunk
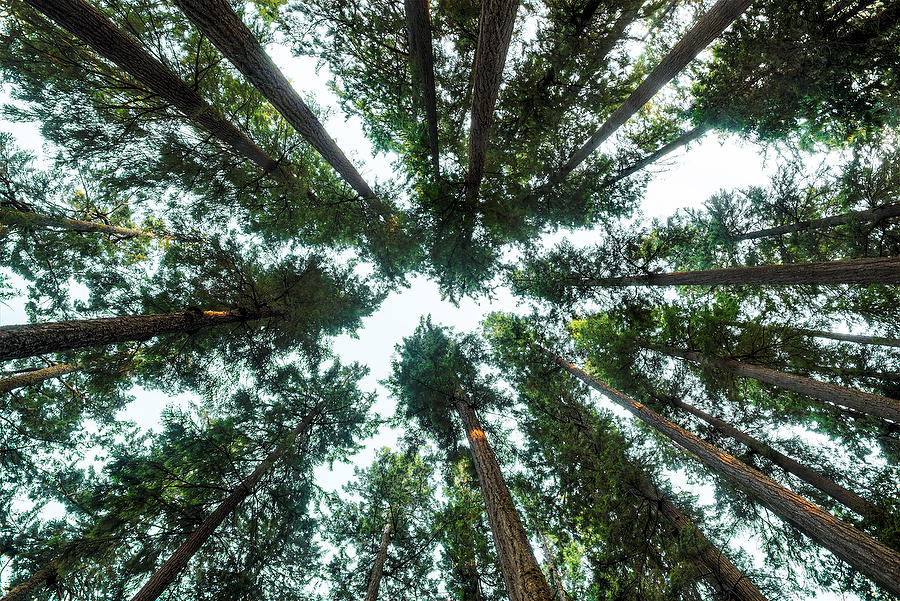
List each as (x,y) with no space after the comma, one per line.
(28,340)
(378,568)
(167,573)
(870,557)
(37,221)
(682,140)
(495,28)
(421,56)
(851,271)
(30,378)
(521,573)
(93,27)
(554,570)
(40,578)
(846,497)
(708,28)
(218,21)
(864,402)
(878,214)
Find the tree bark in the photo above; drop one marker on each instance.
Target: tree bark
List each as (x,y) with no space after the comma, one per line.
(421,56)
(30,378)
(92,26)
(846,497)
(554,570)
(860,551)
(856,338)
(708,28)
(864,402)
(682,140)
(883,270)
(521,573)
(884,212)
(378,568)
(167,573)
(38,221)
(218,21)
(495,27)
(24,590)
(20,341)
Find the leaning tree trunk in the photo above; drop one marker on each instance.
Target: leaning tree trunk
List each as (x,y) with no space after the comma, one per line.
(846,497)
(23,591)
(378,568)
(521,573)
(856,338)
(32,377)
(864,402)
(884,270)
(884,212)
(92,26)
(218,21)
(29,220)
(863,553)
(495,27)
(167,573)
(708,28)
(421,56)
(28,340)
(554,569)
(682,140)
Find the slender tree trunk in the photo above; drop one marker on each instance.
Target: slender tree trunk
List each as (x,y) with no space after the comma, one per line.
(378,568)
(870,557)
(521,573)
(708,28)
(30,378)
(28,340)
(883,270)
(857,338)
(421,56)
(218,21)
(40,578)
(554,569)
(92,26)
(864,402)
(37,221)
(884,212)
(846,497)
(682,140)
(495,27)
(168,572)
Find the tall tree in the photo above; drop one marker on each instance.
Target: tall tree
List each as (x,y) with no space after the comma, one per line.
(421,58)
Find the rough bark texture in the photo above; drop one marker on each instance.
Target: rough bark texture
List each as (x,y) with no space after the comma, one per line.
(846,497)
(38,221)
(521,573)
(867,555)
(92,27)
(708,28)
(378,568)
(560,592)
(495,28)
(28,340)
(864,402)
(421,57)
(167,573)
(892,210)
(682,140)
(30,378)
(883,270)
(23,591)
(225,29)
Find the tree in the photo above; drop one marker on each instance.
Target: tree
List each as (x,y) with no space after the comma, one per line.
(421,58)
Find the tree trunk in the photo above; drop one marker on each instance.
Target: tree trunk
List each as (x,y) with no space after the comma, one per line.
(870,557)
(857,338)
(167,573)
(884,212)
(30,220)
(421,56)
(378,568)
(846,497)
(218,21)
(495,27)
(92,26)
(521,573)
(28,340)
(708,28)
(23,591)
(682,140)
(30,378)
(884,270)
(864,402)
(554,570)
